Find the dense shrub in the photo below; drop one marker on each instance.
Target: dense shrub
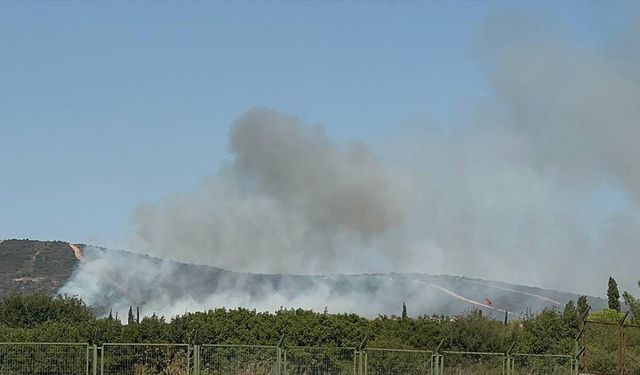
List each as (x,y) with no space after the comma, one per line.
(67,319)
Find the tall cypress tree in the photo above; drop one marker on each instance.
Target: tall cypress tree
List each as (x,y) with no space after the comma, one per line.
(130,318)
(613,295)
(404,311)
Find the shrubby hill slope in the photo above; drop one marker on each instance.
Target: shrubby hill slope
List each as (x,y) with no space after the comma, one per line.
(46,266)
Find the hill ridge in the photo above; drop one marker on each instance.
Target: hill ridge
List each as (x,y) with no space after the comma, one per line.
(56,267)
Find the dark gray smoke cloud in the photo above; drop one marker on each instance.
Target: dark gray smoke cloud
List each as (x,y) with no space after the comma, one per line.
(290,201)
(537,183)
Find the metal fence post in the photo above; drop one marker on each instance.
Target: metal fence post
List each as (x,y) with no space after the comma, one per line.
(622,346)
(281,368)
(582,337)
(510,361)
(362,368)
(278,361)
(579,349)
(366,366)
(102,360)
(511,365)
(196,360)
(437,364)
(437,361)
(95,360)
(284,365)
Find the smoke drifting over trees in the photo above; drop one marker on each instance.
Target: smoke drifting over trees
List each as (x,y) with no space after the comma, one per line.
(538,183)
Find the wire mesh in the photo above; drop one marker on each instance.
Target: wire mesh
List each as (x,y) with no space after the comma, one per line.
(532,364)
(167,359)
(145,359)
(470,363)
(398,362)
(43,359)
(319,361)
(238,360)
(601,342)
(632,350)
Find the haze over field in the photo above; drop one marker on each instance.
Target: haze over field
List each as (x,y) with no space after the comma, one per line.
(535,180)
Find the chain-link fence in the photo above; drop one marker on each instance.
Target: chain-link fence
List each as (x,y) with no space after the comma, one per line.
(319,361)
(397,361)
(542,364)
(632,349)
(609,348)
(44,359)
(145,359)
(617,352)
(473,363)
(236,360)
(601,343)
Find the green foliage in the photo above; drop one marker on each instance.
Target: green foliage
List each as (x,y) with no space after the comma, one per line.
(606,316)
(548,332)
(570,316)
(613,296)
(66,319)
(404,311)
(634,306)
(583,306)
(28,311)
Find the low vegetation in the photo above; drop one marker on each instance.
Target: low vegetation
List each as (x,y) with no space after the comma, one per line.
(67,319)
(41,318)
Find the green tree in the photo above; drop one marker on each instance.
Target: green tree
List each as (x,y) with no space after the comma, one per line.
(583,306)
(26,311)
(547,333)
(633,303)
(404,311)
(570,315)
(613,295)
(130,319)
(607,316)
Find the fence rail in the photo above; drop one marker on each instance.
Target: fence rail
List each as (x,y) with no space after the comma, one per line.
(183,359)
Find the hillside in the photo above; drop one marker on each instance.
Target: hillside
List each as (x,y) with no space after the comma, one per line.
(107,279)
(34,266)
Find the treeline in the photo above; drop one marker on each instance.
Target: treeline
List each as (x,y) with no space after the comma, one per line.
(67,319)
(43,318)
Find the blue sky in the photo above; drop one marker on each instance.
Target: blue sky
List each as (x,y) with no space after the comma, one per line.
(107,105)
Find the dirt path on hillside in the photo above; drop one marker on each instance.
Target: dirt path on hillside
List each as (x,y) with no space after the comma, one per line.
(76,251)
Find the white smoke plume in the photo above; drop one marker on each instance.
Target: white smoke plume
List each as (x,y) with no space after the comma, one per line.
(538,184)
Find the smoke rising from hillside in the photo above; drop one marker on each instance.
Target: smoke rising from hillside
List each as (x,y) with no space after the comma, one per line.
(537,184)
(290,201)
